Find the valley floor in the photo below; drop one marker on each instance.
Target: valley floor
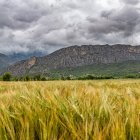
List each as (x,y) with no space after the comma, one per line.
(70,110)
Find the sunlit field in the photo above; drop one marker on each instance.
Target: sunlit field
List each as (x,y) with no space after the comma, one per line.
(70,110)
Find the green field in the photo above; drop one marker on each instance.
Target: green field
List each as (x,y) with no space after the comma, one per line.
(70,110)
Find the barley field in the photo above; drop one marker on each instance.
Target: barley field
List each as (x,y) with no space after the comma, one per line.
(70,110)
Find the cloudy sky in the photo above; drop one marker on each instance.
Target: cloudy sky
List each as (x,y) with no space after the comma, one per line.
(47,25)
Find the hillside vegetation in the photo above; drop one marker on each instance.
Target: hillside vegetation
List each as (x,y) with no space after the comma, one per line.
(70,110)
(120,70)
(129,69)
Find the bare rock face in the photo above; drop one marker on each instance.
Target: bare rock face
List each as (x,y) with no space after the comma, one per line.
(22,67)
(31,62)
(75,56)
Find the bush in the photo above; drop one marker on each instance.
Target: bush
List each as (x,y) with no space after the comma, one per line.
(131,76)
(62,77)
(27,78)
(6,77)
(43,79)
(16,79)
(93,77)
(37,78)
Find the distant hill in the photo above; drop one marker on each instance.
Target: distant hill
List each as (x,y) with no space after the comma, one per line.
(4,61)
(80,57)
(9,59)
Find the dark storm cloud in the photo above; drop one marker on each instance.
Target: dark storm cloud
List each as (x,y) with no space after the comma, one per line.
(124,21)
(19,16)
(49,25)
(131,1)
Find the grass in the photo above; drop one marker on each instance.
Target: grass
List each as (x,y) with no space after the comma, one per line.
(70,110)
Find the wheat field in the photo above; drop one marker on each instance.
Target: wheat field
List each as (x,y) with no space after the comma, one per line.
(70,110)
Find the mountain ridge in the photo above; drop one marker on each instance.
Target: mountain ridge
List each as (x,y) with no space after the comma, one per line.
(76,56)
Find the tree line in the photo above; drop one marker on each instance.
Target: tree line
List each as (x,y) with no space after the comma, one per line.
(8,77)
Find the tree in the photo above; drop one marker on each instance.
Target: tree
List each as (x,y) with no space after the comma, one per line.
(7,77)
(62,77)
(27,78)
(43,79)
(37,77)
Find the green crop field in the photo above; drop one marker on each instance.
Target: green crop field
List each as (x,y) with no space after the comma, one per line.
(70,110)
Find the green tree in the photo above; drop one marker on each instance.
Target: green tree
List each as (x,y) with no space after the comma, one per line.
(27,78)
(6,77)
(62,77)
(37,78)
(43,79)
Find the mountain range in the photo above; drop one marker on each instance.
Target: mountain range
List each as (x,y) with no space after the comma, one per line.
(95,59)
(10,59)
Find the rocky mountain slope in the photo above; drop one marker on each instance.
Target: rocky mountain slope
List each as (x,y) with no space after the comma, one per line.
(9,59)
(76,56)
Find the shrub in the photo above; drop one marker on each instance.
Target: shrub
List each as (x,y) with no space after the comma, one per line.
(93,77)
(37,78)
(43,79)
(6,77)
(131,76)
(27,78)
(62,77)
